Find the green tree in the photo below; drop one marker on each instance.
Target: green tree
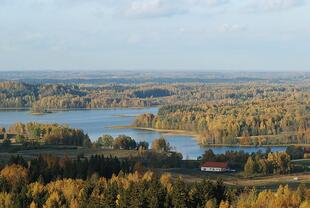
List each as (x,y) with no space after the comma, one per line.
(295,152)
(249,167)
(179,194)
(143,145)
(105,141)
(20,139)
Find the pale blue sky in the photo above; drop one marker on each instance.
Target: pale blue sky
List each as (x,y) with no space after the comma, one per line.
(155,34)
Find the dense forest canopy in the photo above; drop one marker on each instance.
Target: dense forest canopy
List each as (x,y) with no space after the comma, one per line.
(250,113)
(254,120)
(42,97)
(45,97)
(26,185)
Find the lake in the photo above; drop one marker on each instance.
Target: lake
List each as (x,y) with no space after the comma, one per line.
(98,122)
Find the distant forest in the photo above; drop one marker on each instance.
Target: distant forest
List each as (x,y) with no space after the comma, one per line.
(246,114)
(48,97)
(43,97)
(159,77)
(259,111)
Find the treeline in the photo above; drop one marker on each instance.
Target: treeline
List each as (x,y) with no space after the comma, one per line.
(126,142)
(275,162)
(278,120)
(259,163)
(138,190)
(47,168)
(90,102)
(120,142)
(271,163)
(46,97)
(160,155)
(49,134)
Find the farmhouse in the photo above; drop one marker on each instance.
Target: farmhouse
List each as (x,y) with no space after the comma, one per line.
(215,166)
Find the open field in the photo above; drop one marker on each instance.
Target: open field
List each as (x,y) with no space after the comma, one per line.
(237,180)
(71,152)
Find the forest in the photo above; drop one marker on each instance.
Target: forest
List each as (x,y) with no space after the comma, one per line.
(46,97)
(278,118)
(246,111)
(99,181)
(57,96)
(23,185)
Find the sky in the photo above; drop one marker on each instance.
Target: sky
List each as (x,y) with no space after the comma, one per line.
(155,35)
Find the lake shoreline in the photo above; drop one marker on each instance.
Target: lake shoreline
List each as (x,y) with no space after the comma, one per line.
(74,109)
(95,123)
(166,131)
(195,136)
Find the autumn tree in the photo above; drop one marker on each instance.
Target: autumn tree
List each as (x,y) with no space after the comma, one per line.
(124,142)
(15,174)
(105,141)
(161,145)
(249,167)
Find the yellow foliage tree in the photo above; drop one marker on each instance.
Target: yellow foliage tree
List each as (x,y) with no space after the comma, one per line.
(6,200)
(15,174)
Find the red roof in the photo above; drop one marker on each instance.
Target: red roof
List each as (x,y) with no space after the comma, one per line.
(215,164)
(306,149)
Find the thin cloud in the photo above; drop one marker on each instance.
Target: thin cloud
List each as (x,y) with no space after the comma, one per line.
(232,28)
(209,3)
(273,5)
(166,8)
(131,8)
(153,8)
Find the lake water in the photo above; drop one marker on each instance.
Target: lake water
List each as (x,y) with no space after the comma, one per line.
(98,122)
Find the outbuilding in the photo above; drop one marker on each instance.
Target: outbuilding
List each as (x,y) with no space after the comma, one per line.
(215,167)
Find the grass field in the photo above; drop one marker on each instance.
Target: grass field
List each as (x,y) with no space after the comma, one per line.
(61,151)
(237,180)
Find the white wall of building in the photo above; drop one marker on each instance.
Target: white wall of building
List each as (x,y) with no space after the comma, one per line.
(212,169)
